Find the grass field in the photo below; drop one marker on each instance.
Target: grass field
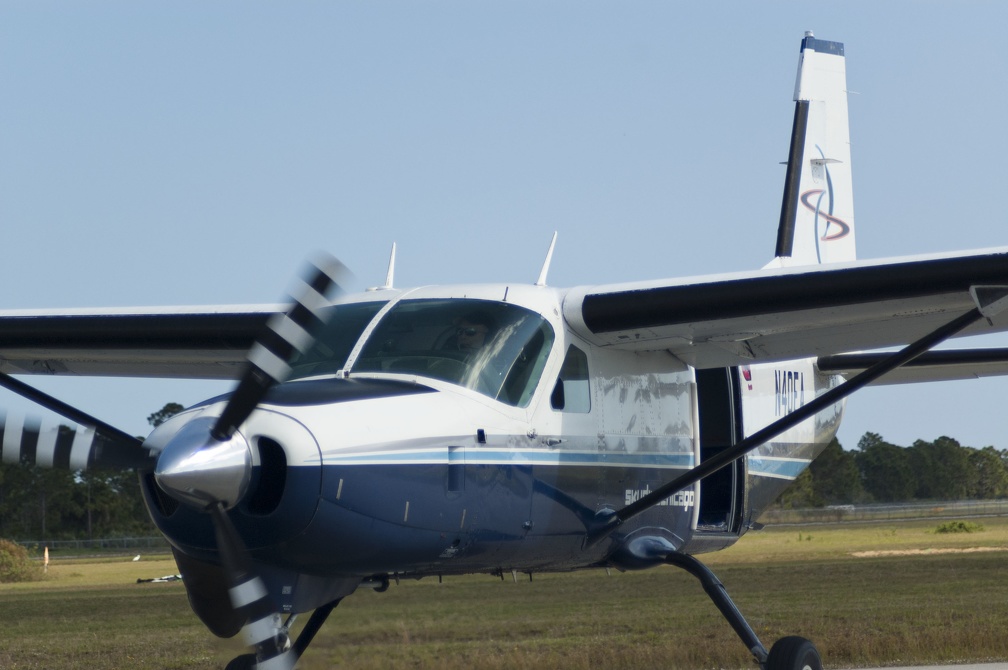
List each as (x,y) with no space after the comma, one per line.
(891,593)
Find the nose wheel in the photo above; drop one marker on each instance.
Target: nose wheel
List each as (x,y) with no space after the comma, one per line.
(243,662)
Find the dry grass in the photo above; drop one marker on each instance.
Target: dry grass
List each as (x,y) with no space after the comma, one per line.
(922,607)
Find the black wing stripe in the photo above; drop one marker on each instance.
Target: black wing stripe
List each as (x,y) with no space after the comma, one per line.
(149,331)
(605,312)
(844,362)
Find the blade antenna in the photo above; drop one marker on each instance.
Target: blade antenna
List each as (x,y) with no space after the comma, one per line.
(391,269)
(549,257)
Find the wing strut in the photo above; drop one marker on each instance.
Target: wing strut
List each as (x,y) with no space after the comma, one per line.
(94,443)
(608,521)
(65,410)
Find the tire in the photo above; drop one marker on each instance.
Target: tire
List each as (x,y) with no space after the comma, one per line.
(793,653)
(243,662)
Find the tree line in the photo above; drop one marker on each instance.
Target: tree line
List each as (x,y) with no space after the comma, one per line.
(48,504)
(878,471)
(45,504)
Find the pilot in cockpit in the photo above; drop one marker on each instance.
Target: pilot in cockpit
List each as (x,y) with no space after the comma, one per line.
(472,331)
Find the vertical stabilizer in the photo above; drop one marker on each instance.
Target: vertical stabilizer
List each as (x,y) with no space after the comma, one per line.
(817,212)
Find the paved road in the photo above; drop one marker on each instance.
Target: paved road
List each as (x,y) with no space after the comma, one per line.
(975,666)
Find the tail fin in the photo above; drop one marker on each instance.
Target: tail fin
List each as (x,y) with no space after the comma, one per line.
(817,213)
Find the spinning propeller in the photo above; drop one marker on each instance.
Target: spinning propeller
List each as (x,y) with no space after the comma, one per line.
(208,463)
(92,444)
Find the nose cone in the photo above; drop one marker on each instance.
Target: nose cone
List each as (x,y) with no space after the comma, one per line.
(198,470)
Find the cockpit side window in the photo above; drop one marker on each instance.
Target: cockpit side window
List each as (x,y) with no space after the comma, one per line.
(497,349)
(526,369)
(571,393)
(334,343)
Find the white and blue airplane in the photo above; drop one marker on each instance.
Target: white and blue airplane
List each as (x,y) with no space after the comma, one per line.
(498,428)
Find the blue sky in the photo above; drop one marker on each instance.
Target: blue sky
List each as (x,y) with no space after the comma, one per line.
(173,153)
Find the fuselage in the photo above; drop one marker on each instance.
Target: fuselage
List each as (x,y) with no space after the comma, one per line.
(394,450)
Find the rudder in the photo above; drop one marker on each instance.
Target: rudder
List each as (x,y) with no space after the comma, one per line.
(817,211)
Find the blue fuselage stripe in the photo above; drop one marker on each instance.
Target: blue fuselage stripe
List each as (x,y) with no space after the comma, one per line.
(515,457)
(786,468)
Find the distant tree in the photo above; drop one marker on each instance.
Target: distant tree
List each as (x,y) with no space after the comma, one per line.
(37,503)
(114,506)
(15,499)
(835,476)
(941,469)
(50,504)
(990,473)
(165,413)
(885,469)
(800,493)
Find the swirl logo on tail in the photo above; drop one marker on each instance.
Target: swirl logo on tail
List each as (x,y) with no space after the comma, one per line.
(839,226)
(833,228)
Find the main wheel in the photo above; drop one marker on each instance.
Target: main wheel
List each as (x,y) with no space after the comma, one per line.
(793,653)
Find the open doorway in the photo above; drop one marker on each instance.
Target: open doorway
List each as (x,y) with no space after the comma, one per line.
(719,408)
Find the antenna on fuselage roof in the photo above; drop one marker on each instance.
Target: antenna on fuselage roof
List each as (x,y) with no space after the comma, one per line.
(389,275)
(391,268)
(545,268)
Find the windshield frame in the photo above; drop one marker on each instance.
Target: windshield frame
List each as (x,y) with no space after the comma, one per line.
(332,348)
(419,337)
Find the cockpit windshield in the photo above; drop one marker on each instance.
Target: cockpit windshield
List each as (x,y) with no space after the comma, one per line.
(494,348)
(332,347)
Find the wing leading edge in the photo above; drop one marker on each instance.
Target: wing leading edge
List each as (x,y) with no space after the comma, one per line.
(789,313)
(171,342)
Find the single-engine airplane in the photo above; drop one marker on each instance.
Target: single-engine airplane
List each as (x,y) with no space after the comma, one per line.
(442,430)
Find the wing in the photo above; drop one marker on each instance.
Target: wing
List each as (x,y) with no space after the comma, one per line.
(789,313)
(180,342)
(932,366)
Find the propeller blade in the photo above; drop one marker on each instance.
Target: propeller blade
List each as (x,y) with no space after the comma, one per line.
(250,597)
(91,444)
(50,444)
(285,336)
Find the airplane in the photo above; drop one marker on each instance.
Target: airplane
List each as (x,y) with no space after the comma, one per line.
(465,429)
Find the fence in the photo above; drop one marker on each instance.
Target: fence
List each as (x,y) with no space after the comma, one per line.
(894,511)
(832,514)
(103,544)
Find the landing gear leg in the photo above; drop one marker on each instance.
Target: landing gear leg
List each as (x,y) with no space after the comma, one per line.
(789,653)
(277,653)
(717,592)
(318,618)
